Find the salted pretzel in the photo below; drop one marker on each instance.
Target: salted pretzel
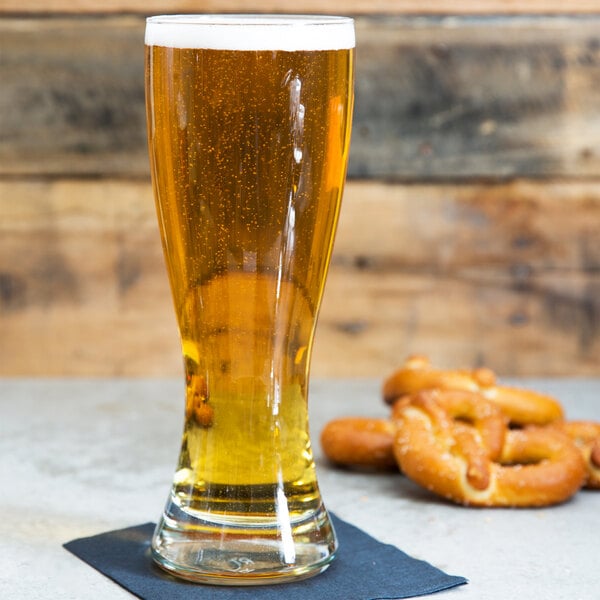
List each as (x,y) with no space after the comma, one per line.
(360,442)
(446,444)
(586,435)
(368,442)
(522,407)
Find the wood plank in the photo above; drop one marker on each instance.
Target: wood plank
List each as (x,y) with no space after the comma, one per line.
(470,98)
(449,98)
(505,275)
(501,275)
(72,99)
(465,7)
(83,289)
(370,324)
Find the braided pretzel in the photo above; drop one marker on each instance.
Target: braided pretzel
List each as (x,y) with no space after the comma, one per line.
(437,447)
(360,442)
(368,442)
(586,436)
(522,407)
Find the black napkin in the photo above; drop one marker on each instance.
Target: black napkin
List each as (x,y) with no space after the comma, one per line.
(364,569)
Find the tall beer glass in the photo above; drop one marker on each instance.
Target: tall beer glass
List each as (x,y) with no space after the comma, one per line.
(248,125)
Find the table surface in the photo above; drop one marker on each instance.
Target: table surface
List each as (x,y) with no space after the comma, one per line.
(80,457)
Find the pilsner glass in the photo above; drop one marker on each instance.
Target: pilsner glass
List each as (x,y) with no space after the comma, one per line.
(248,125)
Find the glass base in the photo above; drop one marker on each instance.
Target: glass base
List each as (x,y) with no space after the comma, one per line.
(243,550)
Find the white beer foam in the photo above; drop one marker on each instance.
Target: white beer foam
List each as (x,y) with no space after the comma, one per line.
(251,32)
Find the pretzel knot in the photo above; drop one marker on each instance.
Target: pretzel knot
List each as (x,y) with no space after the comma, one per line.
(522,407)
(586,435)
(457,445)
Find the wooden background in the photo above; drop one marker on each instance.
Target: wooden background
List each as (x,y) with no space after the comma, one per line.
(470,229)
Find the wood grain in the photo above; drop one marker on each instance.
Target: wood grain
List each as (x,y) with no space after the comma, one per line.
(83,289)
(436,99)
(483,247)
(465,7)
(501,275)
(463,99)
(506,275)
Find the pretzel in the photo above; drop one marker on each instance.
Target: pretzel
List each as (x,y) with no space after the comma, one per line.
(360,442)
(455,456)
(586,435)
(197,406)
(522,407)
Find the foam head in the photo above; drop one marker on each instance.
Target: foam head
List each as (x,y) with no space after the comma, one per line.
(251,32)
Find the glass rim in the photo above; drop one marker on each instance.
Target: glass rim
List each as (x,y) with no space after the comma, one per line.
(251,32)
(258,19)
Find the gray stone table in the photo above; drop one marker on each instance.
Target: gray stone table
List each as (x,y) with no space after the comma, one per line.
(80,457)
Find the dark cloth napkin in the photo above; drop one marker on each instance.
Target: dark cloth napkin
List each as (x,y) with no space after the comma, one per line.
(364,569)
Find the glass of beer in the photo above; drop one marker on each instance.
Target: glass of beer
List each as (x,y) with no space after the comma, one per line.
(249,120)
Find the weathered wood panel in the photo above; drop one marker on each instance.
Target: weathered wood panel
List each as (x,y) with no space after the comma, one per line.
(302,6)
(506,275)
(502,275)
(436,98)
(491,98)
(72,97)
(82,282)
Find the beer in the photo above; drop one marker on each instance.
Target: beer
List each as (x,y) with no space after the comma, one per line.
(248,125)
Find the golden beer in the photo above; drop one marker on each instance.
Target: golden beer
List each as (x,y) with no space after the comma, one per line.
(249,126)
